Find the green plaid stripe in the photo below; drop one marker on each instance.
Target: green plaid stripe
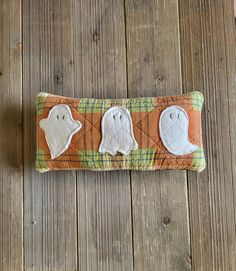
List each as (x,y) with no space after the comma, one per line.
(89,105)
(198,162)
(94,160)
(40,162)
(139,159)
(40,101)
(197,100)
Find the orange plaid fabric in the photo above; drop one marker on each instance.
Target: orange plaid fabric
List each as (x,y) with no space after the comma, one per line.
(145,112)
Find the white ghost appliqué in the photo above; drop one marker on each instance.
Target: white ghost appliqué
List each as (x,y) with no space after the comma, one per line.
(173,127)
(117,132)
(59,127)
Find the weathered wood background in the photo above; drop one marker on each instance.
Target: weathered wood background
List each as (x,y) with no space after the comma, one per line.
(113,221)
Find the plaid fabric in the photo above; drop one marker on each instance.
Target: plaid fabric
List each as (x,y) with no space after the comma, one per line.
(145,112)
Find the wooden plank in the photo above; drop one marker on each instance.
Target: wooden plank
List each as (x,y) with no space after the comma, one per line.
(1,36)
(50,199)
(104,202)
(11,167)
(208,58)
(235,8)
(159,199)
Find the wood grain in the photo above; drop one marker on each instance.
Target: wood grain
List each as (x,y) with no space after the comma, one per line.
(208,64)
(104,202)
(163,220)
(50,241)
(1,36)
(11,164)
(159,199)
(235,8)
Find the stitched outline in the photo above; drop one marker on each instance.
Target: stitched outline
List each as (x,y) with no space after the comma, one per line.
(68,110)
(121,128)
(166,129)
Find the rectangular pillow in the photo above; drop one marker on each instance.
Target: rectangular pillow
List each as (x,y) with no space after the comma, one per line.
(111,134)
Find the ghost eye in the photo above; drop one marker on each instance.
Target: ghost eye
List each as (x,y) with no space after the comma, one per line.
(170,116)
(63,117)
(58,117)
(114,117)
(120,117)
(178,116)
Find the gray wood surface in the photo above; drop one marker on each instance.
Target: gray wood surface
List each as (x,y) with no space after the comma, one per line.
(159,198)
(1,36)
(50,212)
(104,200)
(208,63)
(11,162)
(163,220)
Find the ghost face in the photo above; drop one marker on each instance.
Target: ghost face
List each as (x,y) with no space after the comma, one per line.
(117,132)
(59,127)
(173,126)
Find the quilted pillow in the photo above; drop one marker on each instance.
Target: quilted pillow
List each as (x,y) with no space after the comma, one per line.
(110,134)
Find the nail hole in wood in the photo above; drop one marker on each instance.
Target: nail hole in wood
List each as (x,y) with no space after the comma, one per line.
(58,78)
(96,36)
(166,220)
(158,77)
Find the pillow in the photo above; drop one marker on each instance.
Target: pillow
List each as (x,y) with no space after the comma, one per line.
(111,134)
